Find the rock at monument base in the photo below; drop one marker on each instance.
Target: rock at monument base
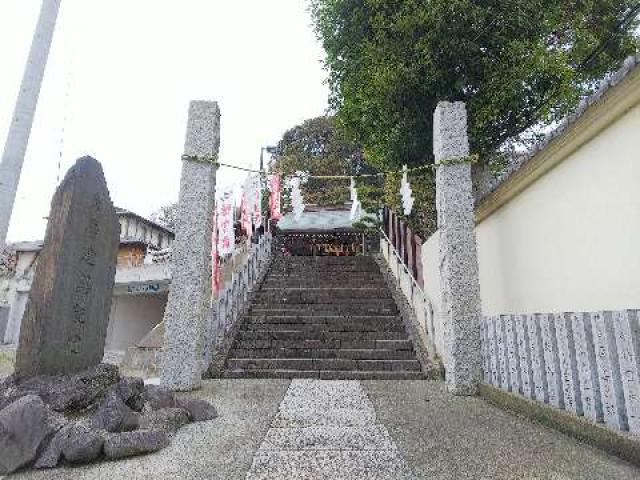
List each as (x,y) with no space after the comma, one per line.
(83,444)
(199,410)
(168,420)
(115,416)
(131,390)
(158,398)
(129,444)
(65,322)
(24,425)
(76,442)
(68,392)
(93,418)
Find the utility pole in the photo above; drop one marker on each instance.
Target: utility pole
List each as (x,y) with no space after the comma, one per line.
(22,121)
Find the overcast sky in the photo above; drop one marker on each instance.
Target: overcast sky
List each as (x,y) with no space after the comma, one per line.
(120,77)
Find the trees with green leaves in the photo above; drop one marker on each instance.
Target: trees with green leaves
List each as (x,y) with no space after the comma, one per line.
(318,147)
(516,63)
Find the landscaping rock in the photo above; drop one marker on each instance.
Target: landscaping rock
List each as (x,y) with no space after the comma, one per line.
(130,421)
(23,426)
(68,392)
(78,443)
(135,443)
(168,420)
(199,410)
(131,392)
(114,416)
(158,398)
(8,400)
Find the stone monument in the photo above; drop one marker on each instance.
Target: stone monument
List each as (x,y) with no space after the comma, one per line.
(555,396)
(188,308)
(608,366)
(524,353)
(627,333)
(66,318)
(538,368)
(568,363)
(586,365)
(458,255)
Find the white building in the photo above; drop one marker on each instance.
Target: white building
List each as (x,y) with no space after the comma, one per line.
(140,290)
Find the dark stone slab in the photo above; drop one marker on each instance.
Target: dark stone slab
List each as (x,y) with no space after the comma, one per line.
(65,322)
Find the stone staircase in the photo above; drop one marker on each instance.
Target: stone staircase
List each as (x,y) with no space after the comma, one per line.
(323,317)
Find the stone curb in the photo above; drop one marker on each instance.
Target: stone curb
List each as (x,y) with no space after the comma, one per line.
(619,444)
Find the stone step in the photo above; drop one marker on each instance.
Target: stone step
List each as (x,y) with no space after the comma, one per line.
(297,269)
(323,262)
(324,324)
(301,301)
(331,293)
(350,343)
(320,335)
(325,374)
(325,319)
(329,281)
(354,354)
(323,309)
(321,364)
(324,281)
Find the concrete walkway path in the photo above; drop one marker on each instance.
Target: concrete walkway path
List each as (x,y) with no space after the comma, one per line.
(413,429)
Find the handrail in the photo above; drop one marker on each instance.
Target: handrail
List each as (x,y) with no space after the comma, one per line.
(429,320)
(232,298)
(404,265)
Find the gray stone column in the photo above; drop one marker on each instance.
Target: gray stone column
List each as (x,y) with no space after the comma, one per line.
(458,256)
(188,307)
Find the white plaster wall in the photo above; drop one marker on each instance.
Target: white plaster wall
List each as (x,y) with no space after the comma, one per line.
(571,240)
(132,317)
(431,279)
(17,295)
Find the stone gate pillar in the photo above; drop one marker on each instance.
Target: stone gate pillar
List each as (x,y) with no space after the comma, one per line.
(188,306)
(458,256)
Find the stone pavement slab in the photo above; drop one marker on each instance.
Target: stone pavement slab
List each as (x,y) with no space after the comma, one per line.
(327,429)
(369,437)
(443,437)
(220,449)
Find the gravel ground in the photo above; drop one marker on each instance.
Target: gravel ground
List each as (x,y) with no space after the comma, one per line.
(443,437)
(220,449)
(353,430)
